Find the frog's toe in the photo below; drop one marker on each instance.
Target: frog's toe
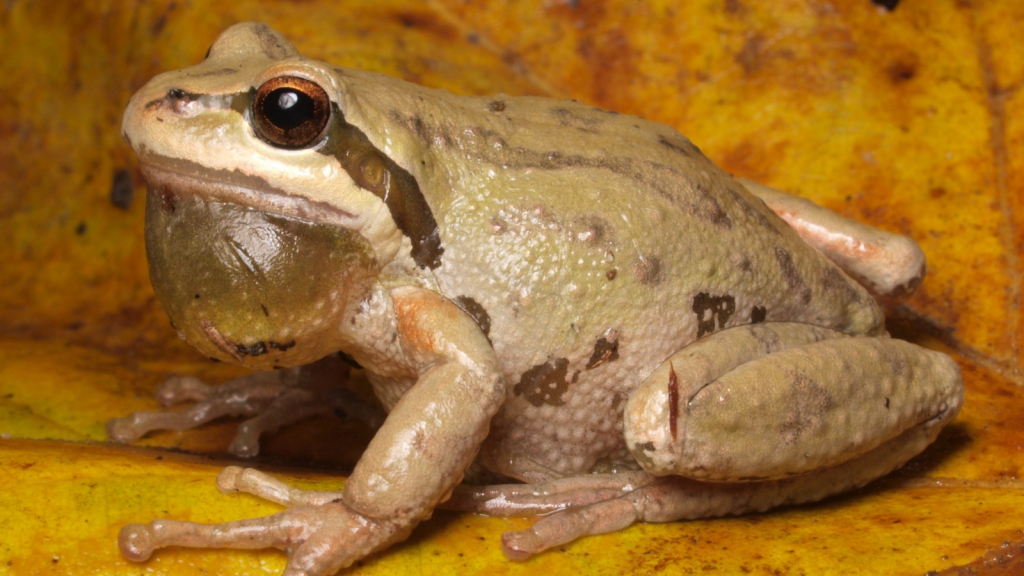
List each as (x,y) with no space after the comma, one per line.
(320,539)
(520,545)
(136,542)
(236,479)
(563,527)
(178,389)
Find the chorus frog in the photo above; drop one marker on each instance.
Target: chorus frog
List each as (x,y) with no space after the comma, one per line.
(573,303)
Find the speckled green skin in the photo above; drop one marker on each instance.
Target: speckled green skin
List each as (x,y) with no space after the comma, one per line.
(569,224)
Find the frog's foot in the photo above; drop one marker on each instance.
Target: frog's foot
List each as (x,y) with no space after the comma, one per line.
(890,266)
(321,534)
(271,400)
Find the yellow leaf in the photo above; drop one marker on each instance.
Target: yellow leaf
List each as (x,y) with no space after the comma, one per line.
(910,119)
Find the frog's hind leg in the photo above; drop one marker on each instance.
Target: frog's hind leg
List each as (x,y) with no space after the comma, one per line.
(588,507)
(890,266)
(744,420)
(769,401)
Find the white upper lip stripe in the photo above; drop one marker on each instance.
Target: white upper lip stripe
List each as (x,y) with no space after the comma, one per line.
(265,198)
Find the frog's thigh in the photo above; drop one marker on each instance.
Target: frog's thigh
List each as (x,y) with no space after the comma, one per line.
(890,266)
(723,410)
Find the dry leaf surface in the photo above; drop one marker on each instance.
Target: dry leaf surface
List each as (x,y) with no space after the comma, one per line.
(911,119)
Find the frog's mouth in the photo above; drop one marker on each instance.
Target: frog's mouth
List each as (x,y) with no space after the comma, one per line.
(188,178)
(251,276)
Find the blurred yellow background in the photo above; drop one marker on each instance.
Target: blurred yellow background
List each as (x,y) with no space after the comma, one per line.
(910,119)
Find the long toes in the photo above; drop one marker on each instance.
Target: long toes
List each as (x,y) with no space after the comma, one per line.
(520,545)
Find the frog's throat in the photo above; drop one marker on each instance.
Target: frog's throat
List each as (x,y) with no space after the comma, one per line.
(186,179)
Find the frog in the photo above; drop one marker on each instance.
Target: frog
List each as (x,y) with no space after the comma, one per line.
(562,311)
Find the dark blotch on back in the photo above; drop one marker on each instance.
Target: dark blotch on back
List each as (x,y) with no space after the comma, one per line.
(712,310)
(758,314)
(604,351)
(544,383)
(496,106)
(835,281)
(474,309)
(396,186)
(791,275)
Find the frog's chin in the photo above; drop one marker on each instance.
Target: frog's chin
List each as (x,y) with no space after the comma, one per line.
(251,282)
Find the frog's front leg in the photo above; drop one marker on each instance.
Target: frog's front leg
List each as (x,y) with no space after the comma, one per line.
(416,458)
(890,266)
(744,420)
(270,400)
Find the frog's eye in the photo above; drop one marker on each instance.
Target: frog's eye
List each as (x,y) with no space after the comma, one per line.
(291,112)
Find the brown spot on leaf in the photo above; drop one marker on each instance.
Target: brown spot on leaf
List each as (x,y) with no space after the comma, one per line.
(544,383)
(426,21)
(604,351)
(901,71)
(735,7)
(712,310)
(750,56)
(122,189)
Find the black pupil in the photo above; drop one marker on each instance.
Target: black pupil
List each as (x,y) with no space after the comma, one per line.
(287,108)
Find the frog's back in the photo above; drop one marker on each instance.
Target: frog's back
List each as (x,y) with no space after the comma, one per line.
(594,245)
